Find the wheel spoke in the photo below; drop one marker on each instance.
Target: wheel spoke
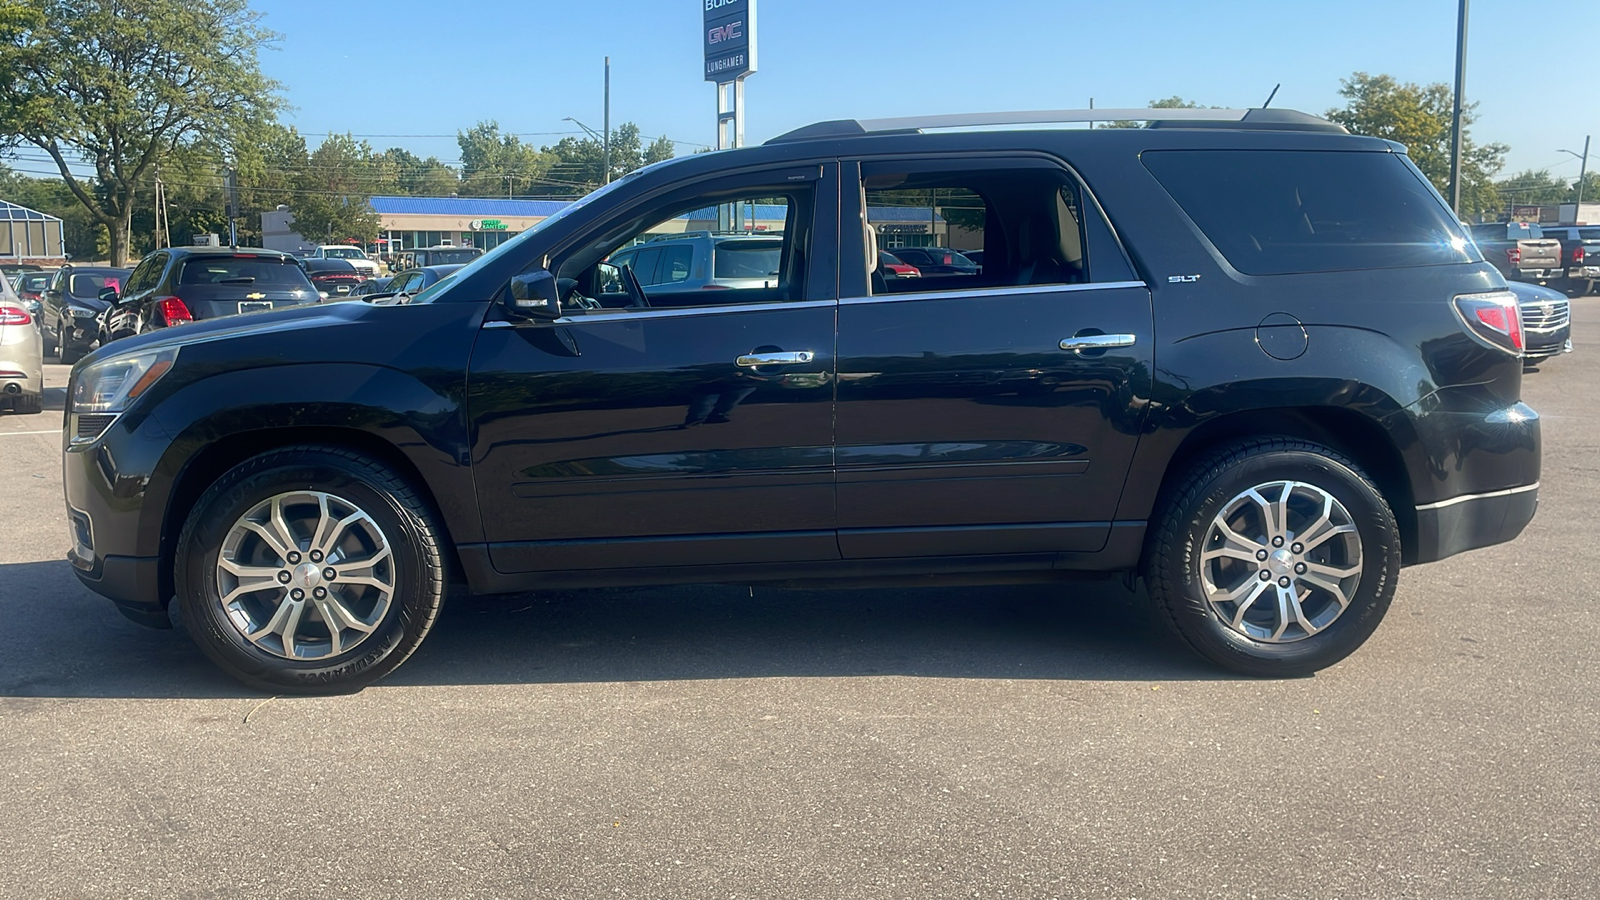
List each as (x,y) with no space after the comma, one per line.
(335,623)
(362,571)
(1288,611)
(1234,546)
(1319,540)
(282,526)
(1328,585)
(251,583)
(1257,589)
(338,615)
(277,543)
(337,532)
(1332,571)
(324,520)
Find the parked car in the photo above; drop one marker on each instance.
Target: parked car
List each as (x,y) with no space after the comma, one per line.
(893,267)
(1580,253)
(678,268)
(73,308)
(334,278)
(414,281)
(1546,321)
(937,260)
(975,256)
(1520,251)
(372,286)
(358,259)
(21,355)
(30,287)
(1309,379)
(181,285)
(13,271)
(422,257)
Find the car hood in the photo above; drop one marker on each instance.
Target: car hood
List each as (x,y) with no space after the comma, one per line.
(291,319)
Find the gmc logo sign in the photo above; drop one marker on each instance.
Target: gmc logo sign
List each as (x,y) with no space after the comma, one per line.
(729,32)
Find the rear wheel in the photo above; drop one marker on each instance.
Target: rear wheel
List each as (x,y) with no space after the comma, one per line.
(1274,557)
(68,353)
(310,570)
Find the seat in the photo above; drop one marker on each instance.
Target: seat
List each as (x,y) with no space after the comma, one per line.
(1049,247)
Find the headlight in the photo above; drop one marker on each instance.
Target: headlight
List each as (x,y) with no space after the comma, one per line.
(110,385)
(79,312)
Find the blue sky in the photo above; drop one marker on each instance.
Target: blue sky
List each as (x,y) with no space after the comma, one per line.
(414,68)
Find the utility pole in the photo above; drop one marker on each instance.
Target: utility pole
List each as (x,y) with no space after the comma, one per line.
(232,185)
(607,141)
(1455,111)
(163,236)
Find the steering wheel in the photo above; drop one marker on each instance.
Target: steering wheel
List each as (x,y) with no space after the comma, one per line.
(636,297)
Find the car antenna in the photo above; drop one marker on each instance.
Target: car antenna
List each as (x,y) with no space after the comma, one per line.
(1271,95)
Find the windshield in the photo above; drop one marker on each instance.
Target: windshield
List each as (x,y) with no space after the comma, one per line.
(443,257)
(343,253)
(514,245)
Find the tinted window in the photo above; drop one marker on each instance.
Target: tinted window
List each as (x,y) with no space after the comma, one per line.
(676,259)
(85,285)
(459,255)
(240,270)
(746,259)
(644,265)
(343,253)
(1589,234)
(1276,212)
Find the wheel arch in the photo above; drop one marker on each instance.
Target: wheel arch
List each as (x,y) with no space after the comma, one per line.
(217,457)
(1360,438)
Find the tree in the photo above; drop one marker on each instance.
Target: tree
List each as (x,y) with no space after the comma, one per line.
(418,177)
(332,201)
(1173,102)
(582,161)
(1418,116)
(119,84)
(660,150)
(1532,188)
(496,165)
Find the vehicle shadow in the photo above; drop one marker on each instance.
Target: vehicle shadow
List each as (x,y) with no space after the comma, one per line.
(57,639)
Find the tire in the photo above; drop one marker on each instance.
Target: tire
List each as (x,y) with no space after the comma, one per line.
(48,336)
(1192,567)
(28,404)
(385,612)
(67,353)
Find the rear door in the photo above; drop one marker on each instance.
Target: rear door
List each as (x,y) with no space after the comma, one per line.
(993,412)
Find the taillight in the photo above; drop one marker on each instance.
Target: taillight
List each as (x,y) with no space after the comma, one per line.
(1514,256)
(174,311)
(1493,318)
(1577,256)
(14,315)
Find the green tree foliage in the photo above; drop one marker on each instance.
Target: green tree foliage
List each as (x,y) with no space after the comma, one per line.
(332,205)
(417,177)
(120,84)
(498,165)
(1532,188)
(1418,116)
(660,150)
(1173,102)
(582,160)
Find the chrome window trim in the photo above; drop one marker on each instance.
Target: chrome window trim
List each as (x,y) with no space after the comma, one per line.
(1484,496)
(635,315)
(995,291)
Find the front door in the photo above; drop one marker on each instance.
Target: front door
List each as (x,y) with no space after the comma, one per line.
(995,412)
(693,430)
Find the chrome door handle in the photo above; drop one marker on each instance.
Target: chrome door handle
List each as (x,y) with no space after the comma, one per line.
(1079,343)
(795,357)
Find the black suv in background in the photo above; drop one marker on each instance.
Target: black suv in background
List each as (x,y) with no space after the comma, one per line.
(1258,363)
(72,307)
(179,285)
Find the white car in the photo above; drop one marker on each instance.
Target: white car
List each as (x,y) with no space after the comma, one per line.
(355,256)
(21,355)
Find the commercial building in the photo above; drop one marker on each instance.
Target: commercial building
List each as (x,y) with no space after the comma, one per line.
(29,236)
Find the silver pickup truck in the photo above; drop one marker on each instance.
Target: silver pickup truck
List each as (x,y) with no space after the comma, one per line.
(1520,251)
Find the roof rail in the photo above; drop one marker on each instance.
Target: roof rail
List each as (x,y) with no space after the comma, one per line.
(1248,119)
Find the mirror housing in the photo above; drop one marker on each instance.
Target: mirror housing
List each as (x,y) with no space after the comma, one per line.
(109,295)
(533,295)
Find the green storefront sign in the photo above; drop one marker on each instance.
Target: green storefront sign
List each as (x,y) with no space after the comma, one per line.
(489,225)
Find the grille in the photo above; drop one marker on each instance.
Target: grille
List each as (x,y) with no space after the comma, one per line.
(92,426)
(1546,315)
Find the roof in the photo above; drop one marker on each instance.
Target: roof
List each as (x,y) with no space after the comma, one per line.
(470,207)
(1246,119)
(21,213)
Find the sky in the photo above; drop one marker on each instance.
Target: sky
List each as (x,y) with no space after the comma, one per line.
(411,73)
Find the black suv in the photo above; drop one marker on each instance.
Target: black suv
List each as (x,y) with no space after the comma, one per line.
(179,285)
(1245,355)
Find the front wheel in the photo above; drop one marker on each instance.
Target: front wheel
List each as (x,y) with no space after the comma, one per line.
(309,570)
(1274,557)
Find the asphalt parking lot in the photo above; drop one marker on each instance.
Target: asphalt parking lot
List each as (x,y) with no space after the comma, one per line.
(722,742)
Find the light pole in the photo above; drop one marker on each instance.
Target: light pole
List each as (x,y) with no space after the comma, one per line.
(1583,169)
(603,139)
(1455,110)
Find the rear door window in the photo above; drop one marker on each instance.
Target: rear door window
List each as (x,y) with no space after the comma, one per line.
(1274,212)
(747,259)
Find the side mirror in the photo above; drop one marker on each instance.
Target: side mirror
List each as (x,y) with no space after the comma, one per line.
(534,295)
(109,295)
(322,295)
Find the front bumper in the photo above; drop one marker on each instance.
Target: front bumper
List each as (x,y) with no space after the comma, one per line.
(130,582)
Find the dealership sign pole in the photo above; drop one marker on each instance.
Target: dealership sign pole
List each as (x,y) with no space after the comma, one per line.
(728,32)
